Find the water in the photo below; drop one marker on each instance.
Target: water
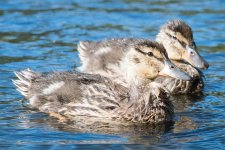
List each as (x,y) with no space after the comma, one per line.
(43,35)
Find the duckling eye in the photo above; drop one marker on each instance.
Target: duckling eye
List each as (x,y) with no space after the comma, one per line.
(149,53)
(174,37)
(172,67)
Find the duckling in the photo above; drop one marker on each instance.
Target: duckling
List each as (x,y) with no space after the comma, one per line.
(176,36)
(89,97)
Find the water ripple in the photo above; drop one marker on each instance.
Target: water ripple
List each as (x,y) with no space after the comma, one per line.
(43,35)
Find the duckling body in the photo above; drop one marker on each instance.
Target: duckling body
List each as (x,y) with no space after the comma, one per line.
(72,94)
(103,56)
(92,96)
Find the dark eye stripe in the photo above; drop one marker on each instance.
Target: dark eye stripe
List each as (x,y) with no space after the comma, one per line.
(150,54)
(181,42)
(137,49)
(164,55)
(144,53)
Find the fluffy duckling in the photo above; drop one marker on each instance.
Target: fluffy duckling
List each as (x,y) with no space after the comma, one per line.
(74,95)
(176,36)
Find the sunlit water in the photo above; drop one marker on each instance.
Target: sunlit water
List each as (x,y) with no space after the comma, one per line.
(42,35)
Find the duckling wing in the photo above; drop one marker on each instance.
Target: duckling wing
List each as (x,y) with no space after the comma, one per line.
(98,56)
(70,93)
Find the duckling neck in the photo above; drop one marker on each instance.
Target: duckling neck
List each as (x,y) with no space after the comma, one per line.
(138,87)
(150,104)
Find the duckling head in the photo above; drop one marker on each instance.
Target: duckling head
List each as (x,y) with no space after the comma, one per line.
(177,38)
(146,60)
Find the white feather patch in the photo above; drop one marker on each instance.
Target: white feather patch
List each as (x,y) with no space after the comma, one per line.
(103,50)
(33,100)
(53,87)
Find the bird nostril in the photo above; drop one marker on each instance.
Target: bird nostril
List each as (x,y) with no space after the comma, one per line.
(172,67)
(192,53)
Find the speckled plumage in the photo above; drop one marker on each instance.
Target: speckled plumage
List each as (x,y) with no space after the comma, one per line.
(93,60)
(94,97)
(180,27)
(107,62)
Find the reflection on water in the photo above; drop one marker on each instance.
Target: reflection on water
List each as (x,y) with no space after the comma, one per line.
(42,35)
(182,102)
(142,134)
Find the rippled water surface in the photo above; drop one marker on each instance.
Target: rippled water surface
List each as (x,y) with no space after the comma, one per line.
(43,34)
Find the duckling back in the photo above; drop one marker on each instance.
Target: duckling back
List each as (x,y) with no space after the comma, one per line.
(103,56)
(48,92)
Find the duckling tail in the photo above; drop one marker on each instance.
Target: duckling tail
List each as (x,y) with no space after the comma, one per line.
(83,49)
(24,81)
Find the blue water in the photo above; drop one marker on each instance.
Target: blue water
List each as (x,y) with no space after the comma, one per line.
(43,34)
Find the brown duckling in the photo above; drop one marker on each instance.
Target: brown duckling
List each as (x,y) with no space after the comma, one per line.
(176,36)
(89,97)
